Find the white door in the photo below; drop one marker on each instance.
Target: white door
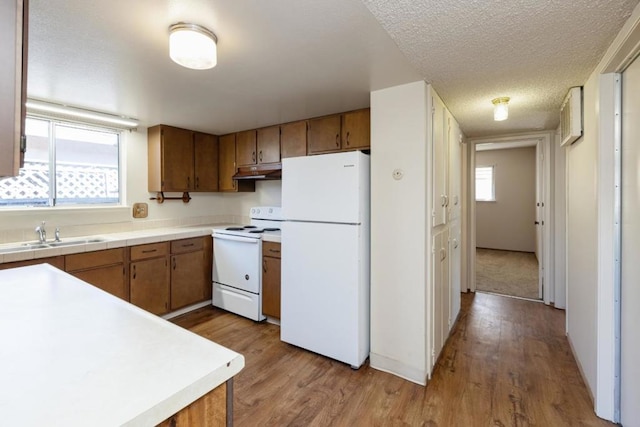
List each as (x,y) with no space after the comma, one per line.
(540,215)
(630,250)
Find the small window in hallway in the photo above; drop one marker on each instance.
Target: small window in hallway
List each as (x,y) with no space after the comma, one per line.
(485,184)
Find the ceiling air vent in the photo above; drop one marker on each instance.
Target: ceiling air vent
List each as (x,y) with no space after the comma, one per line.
(571,117)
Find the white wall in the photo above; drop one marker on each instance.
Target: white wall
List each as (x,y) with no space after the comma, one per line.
(582,242)
(508,223)
(204,208)
(398,231)
(559,224)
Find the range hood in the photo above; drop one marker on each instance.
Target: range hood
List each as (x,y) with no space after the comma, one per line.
(260,172)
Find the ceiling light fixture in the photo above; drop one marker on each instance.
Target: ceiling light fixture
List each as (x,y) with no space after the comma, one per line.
(500,108)
(192,46)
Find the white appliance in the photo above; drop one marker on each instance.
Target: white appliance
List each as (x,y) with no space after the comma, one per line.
(237,263)
(325,255)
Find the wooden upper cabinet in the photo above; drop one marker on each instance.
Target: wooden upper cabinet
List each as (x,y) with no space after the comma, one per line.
(356,130)
(13,84)
(293,139)
(228,167)
(268,143)
(246,148)
(170,154)
(323,134)
(227,162)
(205,161)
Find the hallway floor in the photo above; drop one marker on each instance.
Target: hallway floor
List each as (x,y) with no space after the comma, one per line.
(507,273)
(507,363)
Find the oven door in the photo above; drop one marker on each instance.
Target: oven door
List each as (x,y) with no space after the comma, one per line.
(237,262)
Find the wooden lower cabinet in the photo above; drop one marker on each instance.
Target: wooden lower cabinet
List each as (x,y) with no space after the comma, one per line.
(57,262)
(271,279)
(190,271)
(214,409)
(149,277)
(103,269)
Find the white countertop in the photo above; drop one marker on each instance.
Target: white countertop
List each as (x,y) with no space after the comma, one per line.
(73,355)
(118,240)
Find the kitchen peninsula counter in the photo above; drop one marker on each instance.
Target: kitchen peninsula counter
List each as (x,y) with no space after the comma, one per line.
(74,355)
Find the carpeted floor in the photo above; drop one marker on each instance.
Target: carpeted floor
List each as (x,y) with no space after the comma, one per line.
(507,273)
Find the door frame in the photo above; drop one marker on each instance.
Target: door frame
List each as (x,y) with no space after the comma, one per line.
(545,172)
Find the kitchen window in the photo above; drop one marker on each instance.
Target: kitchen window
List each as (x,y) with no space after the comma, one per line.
(485,184)
(65,163)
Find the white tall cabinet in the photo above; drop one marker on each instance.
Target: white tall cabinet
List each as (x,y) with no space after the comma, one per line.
(415,262)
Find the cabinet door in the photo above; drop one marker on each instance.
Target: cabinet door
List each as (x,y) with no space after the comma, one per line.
(356,130)
(110,279)
(57,262)
(439,161)
(149,282)
(246,148)
(271,287)
(323,135)
(188,280)
(293,139)
(206,162)
(227,160)
(177,159)
(268,142)
(13,83)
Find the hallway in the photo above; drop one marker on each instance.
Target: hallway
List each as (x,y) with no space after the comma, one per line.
(507,363)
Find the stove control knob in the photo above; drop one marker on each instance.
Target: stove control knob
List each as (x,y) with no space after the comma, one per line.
(246,277)
(270,210)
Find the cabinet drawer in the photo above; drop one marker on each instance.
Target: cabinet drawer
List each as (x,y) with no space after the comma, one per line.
(186,245)
(151,250)
(271,249)
(86,260)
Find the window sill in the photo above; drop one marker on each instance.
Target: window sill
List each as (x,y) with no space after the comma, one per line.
(61,209)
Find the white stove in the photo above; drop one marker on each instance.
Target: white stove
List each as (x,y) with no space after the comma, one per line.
(237,262)
(263,220)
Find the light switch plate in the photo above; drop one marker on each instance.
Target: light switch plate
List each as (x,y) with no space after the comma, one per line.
(140,210)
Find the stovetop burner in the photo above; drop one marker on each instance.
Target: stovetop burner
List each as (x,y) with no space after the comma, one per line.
(256,231)
(250,226)
(234,228)
(271,229)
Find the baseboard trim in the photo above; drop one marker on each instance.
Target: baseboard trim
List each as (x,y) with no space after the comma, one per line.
(185,310)
(397,368)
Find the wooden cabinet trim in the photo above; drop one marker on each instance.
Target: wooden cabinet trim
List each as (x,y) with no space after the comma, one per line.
(88,260)
(151,250)
(187,245)
(271,249)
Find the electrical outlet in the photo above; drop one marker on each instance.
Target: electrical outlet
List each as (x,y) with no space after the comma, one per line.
(140,210)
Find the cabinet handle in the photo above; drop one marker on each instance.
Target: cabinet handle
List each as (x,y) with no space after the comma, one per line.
(174,263)
(274,251)
(197,182)
(264,266)
(134,271)
(337,140)
(187,245)
(260,156)
(149,251)
(347,138)
(253,156)
(188,182)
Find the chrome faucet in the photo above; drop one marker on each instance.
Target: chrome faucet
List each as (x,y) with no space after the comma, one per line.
(42,233)
(57,235)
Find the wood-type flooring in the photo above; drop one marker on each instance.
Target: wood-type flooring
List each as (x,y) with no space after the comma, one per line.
(507,363)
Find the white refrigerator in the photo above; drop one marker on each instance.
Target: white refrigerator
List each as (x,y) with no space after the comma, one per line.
(325,255)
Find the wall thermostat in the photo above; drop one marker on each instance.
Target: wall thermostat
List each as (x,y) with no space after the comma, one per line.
(398,174)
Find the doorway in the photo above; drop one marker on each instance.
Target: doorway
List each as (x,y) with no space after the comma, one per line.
(542,206)
(508,245)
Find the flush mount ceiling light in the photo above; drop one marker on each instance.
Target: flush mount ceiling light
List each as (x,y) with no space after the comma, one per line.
(500,108)
(192,46)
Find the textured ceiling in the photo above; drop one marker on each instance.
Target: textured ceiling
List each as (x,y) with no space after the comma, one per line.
(530,50)
(283,60)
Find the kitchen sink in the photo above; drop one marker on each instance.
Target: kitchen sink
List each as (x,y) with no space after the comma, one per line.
(76,242)
(36,245)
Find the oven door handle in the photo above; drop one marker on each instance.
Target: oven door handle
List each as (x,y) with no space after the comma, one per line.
(235,238)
